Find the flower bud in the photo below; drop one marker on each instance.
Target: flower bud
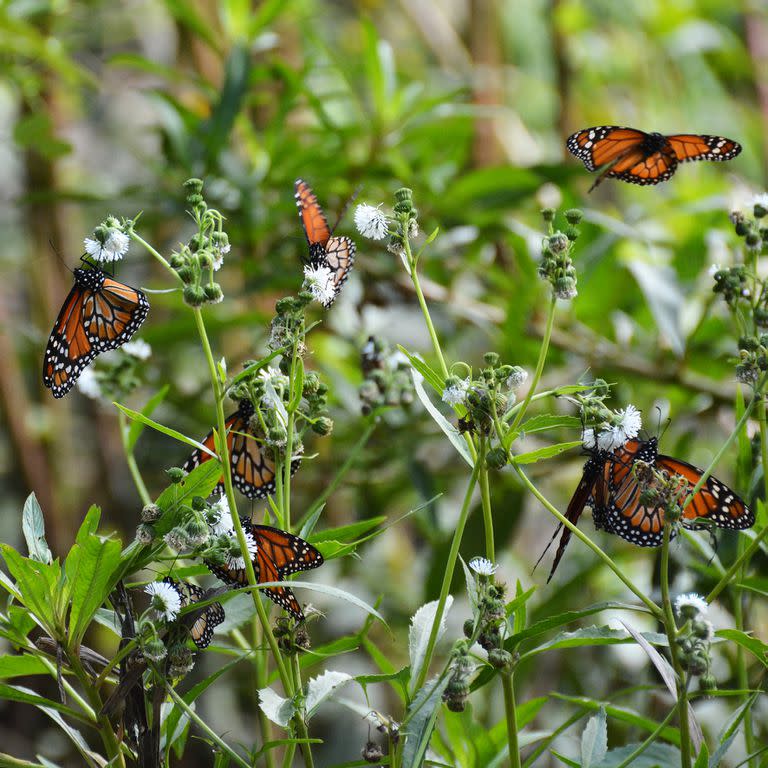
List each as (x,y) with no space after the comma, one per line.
(213,293)
(154,650)
(372,752)
(323,426)
(145,534)
(496,458)
(558,243)
(573,216)
(492,359)
(175,474)
(759,210)
(194,296)
(193,186)
(469,627)
(150,513)
(708,682)
(548,214)
(500,659)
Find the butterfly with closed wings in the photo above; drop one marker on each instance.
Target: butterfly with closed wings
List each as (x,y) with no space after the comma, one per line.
(278,554)
(203,623)
(644,158)
(325,249)
(98,314)
(609,485)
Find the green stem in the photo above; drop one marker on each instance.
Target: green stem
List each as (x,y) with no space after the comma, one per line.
(130,459)
(671,630)
(448,577)
(539,365)
(652,607)
(211,734)
(290,426)
(485,499)
(650,740)
(156,255)
(508,686)
(301,726)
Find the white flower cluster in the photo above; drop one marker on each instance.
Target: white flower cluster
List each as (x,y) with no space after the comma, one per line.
(165,601)
(114,247)
(223,527)
(482,566)
(691,605)
(371,221)
(137,348)
(626,426)
(456,393)
(318,280)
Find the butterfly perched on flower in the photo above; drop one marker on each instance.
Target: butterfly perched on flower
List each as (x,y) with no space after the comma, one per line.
(336,254)
(610,486)
(644,158)
(98,314)
(204,622)
(253,470)
(278,554)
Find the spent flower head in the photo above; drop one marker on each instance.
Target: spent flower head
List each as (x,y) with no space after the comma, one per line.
(165,600)
(622,426)
(371,221)
(455,392)
(690,606)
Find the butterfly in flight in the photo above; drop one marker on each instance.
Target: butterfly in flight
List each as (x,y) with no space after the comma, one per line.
(98,314)
(325,250)
(203,622)
(644,158)
(253,471)
(278,554)
(609,486)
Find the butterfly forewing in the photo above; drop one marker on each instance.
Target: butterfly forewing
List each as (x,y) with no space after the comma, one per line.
(203,623)
(690,146)
(311,214)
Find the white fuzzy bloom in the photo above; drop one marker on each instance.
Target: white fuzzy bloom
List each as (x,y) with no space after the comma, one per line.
(235,562)
(223,525)
(371,221)
(165,599)
(137,348)
(517,378)
(482,566)
(714,269)
(628,423)
(218,255)
(690,605)
(456,394)
(114,247)
(318,280)
(89,385)
(761,200)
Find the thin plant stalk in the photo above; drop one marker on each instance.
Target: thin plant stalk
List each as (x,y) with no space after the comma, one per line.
(448,576)
(130,459)
(510,713)
(485,500)
(671,630)
(650,740)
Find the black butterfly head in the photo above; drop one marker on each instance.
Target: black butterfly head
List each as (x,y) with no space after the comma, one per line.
(91,279)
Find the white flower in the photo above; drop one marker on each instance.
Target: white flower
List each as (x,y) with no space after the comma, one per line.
(761,200)
(223,525)
(456,393)
(235,562)
(137,348)
(517,378)
(165,599)
(371,222)
(482,566)
(714,269)
(114,247)
(218,255)
(626,426)
(691,605)
(88,384)
(318,280)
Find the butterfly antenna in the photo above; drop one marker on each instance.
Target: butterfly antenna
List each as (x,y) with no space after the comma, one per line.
(59,256)
(346,205)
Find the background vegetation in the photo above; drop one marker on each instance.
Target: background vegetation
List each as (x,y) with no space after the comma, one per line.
(108,108)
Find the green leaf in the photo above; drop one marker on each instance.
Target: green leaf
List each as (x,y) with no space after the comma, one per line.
(420,721)
(347,532)
(321,687)
(594,740)
(90,569)
(731,729)
(420,630)
(16,666)
(137,427)
(549,421)
(545,453)
(33,526)
(451,432)
(702,759)
(432,377)
(27,696)
(565,760)
(756,647)
(656,756)
(278,709)
(590,636)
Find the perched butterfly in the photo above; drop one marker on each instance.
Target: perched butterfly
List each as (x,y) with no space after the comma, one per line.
(644,158)
(99,314)
(204,622)
(336,253)
(609,486)
(278,554)
(253,471)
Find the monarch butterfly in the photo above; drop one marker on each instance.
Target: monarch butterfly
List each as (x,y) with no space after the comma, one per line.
(609,486)
(336,253)
(644,158)
(253,471)
(204,622)
(98,314)
(278,554)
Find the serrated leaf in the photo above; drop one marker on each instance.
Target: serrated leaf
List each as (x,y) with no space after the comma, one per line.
(420,630)
(756,647)
(472,588)
(594,740)
(420,721)
(451,432)
(321,687)
(276,708)
(33,526)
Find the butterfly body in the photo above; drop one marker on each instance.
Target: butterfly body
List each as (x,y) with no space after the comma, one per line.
(325,249)
(637,157)
(278,554)
(98,314)
(253,470)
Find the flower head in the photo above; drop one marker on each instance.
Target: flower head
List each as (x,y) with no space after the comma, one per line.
(137,348)
(88,384)
(222,525)
(516,378)
(690,606)
(318,280)
(234,562)
(482,566)
(107,245)
(371,222)
(219,252)
(455,392)
(623,426)
(165,599)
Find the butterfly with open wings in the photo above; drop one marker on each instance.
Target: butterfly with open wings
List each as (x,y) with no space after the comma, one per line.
(644,158)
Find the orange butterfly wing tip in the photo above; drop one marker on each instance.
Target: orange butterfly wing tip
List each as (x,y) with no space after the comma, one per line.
(311,215)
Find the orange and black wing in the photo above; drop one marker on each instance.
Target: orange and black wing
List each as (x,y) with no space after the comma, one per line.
(339,256)
(203,622)
(253,471)
(234,423)
(638,168)
(603,144)
(715,501)
(289,553)
(69,349)
(266,570)
(311,214)
(691,146)
(112,314)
